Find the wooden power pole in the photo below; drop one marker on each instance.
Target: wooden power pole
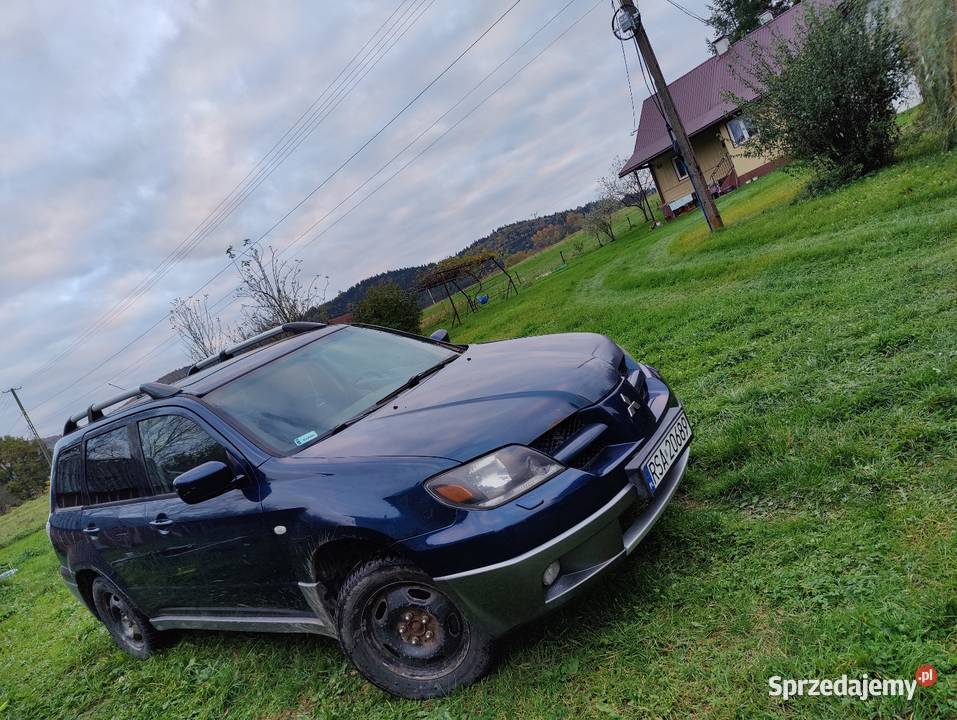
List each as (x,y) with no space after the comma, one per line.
(632,22)
(43,447)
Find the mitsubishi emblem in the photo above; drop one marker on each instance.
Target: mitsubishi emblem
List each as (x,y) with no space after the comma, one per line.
(632,406)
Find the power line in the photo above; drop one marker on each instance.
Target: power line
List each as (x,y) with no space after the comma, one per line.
(312,192)
(538,54)
(259,173)
(688,12)
(456,124)
(430,127)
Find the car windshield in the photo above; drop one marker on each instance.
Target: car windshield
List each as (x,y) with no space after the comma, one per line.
(298,398)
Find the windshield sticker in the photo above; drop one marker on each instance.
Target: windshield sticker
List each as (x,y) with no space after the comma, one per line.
(303,439)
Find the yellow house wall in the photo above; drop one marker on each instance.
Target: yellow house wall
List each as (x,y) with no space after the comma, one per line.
(709,151)
(710,146)
(742,163)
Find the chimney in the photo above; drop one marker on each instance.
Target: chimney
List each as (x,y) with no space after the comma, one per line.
(722,44)
(765,17)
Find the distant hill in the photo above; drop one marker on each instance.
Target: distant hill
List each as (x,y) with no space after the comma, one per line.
(504,241)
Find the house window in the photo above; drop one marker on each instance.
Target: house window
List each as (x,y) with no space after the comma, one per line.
(681,170)
(741,130)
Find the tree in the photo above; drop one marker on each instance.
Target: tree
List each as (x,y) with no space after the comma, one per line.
(390,306)
(598,220)
(573,221)
(736,18)
(201,332)
(826,99)
(23,469)
(931,31)
(630,190)
(548,235)
(275,291)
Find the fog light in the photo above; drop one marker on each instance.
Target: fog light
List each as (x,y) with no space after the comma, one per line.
(551,573)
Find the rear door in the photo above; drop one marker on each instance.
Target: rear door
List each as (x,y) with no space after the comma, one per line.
(216,554)
(112,518)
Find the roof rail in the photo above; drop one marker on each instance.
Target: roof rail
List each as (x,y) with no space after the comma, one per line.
(231,352)
(94,412)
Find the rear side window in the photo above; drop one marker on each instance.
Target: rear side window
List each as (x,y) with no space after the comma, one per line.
(173,444)
(68,492)
(112,473)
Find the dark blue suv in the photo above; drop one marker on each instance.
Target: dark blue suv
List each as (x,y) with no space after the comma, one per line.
(413,498)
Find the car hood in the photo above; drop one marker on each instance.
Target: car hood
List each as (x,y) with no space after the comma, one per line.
(494,394)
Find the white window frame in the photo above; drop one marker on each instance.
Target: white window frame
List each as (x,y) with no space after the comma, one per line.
(748,133)
(674,164)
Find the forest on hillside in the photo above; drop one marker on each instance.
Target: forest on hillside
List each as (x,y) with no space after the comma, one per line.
(504,241)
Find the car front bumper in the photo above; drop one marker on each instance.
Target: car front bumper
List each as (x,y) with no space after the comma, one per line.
(509,593)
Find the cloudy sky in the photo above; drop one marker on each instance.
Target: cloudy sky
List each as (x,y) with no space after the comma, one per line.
(125,125)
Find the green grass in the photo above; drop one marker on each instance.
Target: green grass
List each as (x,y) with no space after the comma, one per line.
(814,345)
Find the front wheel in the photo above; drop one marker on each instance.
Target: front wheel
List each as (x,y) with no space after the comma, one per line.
(406,636)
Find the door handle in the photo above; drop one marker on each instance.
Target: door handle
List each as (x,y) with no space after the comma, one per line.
(91,529)
(161,521)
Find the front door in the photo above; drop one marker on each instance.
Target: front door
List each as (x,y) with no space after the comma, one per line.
(212,556)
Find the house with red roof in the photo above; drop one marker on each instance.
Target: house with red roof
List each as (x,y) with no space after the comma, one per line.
(719,132)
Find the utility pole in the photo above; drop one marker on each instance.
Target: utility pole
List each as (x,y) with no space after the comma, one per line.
(43,447)
(629,20)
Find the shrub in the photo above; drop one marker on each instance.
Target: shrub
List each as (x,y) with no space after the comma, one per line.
(826,100)
(390,306)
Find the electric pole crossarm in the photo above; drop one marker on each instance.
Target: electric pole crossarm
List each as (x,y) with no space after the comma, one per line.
(672,119)
(43,446)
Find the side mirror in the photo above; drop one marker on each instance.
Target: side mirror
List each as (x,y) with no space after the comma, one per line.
(442,335)
(206,481)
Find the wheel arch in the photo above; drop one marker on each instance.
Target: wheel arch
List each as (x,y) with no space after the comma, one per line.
(84,583)
(334,559)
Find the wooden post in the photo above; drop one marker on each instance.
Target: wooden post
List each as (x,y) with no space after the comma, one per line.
(673,120)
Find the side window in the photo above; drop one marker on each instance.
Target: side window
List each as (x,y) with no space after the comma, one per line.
(173,444)
(111,471)
(68,492)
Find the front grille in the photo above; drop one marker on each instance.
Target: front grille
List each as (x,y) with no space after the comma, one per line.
(585,460)
(558,437)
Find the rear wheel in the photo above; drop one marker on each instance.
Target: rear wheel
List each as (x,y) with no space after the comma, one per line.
(130,629)
(406,636)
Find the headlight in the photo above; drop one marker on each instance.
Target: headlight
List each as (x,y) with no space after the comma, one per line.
(493,479)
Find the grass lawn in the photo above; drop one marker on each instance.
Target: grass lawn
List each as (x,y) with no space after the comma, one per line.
(814,344)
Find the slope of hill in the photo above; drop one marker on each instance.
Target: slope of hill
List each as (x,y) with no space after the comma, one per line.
(504,241)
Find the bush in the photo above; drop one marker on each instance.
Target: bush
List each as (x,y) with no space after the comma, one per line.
(23,470)
(826,101)
(390,306)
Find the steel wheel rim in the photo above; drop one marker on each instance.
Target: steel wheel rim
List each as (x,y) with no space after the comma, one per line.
(415,630)
(123,622)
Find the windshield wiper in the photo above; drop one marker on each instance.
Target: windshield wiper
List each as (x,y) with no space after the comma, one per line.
(410,383)
(413,381)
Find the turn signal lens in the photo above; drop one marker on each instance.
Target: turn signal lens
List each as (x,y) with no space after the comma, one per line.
(454,493)
(493,479)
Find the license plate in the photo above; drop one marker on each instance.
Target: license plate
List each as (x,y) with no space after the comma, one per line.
(667,451)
